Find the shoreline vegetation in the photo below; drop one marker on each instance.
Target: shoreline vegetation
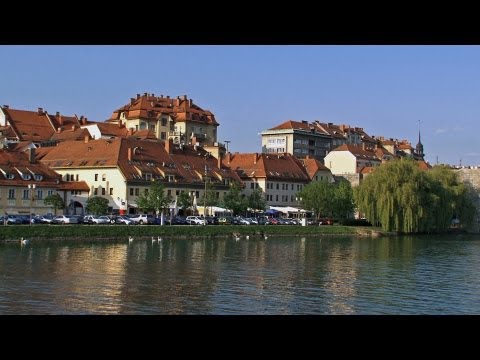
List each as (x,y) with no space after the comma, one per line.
(120,232)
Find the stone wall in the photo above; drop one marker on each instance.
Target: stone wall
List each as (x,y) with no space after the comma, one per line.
(471,177)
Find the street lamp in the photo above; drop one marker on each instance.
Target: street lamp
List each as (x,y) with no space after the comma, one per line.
(31,190)
(299,200)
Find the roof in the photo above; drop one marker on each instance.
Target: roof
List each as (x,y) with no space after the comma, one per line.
(30,125)
(16,163)
(153,107)
(357,151)
(148,160)
(281,166)
(291,124)
(313,166)
(73,185)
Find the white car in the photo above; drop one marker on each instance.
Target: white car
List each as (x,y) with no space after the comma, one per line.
(195,220)
(65,219)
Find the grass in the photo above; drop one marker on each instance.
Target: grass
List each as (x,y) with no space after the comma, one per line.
(192,231)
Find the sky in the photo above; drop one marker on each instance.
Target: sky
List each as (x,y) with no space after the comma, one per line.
(386,90)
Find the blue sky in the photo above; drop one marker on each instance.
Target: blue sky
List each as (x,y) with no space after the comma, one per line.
(384,89)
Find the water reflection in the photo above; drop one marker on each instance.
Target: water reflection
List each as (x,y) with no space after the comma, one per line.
(307,275)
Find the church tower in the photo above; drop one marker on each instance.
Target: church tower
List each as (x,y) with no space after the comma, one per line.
(419,155)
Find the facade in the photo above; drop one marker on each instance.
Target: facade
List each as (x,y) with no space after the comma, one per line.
(280,176)
(122,169)
(297,138)
(178,119)
(25,183)
(350,159)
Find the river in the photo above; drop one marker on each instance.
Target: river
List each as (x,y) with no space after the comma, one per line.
(280,275)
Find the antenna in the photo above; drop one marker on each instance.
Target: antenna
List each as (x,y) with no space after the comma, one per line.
(227,142)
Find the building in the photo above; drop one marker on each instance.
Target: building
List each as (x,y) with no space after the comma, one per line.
(280,176)
(122,169)
(25,183)
(298,138)
(350,159)
(178,119)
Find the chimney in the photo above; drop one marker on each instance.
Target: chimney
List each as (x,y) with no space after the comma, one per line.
(86,139)
(169,146)
(40,111)
(145,94)
(31,155)
(229,157)
(190,102)
(84,120)
(168,96)
(59,130)
(57,114)
(132,100)
(129,154)
(255,158)
(138,96)
(59,118)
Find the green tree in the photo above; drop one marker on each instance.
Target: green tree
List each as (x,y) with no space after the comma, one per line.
(342,204)
(155,199)
(184,201)
(256,200)
(211,197)
(234,200)
(54,200)
(97,205)
(317,196)
(401,197)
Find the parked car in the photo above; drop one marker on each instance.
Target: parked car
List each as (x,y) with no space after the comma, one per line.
(195,220)
(65,219)
(123,220)
(142,219)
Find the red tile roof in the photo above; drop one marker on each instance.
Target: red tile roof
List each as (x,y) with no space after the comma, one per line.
(313,166)
(357,151)
(71,134)
(73,185)
(30,125)
(282,166)
(152,107)
(16,162)
(293,125)
(187,164)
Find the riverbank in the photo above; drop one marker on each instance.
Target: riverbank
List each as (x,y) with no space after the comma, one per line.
(52,232)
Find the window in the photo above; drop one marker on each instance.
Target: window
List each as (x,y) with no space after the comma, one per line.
(95,191)
(50,192)
(39,177)
(96,177)
(163,135)
(276,198)
(111,191)
(164,121)
(131,191)
(177,192)
(252,185)
(278,186)
(26,194)
(152,127)
(11,193)
(169,192)
(291,187)
(76,177)
(137,191)
(145,192)
(104,177)
(103,191)
(143,126)
(40,194)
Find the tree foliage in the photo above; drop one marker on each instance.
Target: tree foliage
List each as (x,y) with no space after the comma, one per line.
(401,197)
(256,200)
(155,199)
(233,199)
(97,205)
(328,199)
(184,200)
(54,200)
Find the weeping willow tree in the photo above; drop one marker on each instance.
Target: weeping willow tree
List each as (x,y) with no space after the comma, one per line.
(401,197)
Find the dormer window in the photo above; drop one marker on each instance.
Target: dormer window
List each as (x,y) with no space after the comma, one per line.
(38,177)
(10,176)
(26,176)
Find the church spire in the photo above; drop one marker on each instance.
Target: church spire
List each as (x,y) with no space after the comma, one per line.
(419,148)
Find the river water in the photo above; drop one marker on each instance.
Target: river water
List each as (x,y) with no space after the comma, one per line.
(283,275)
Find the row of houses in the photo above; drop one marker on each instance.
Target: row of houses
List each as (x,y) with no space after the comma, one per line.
(174,141)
